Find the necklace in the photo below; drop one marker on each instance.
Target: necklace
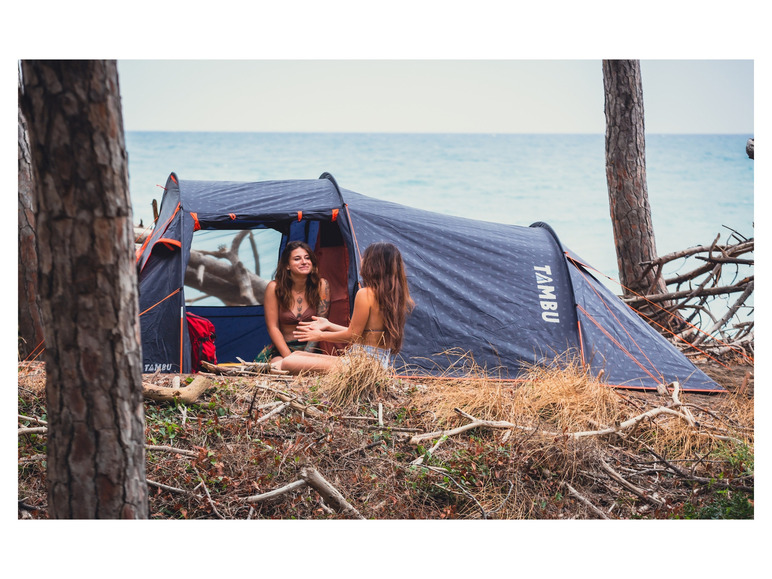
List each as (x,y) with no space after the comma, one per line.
(297,298)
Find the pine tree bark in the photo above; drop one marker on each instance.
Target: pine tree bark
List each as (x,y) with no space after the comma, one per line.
(30,324)
(626,177)
(87,285)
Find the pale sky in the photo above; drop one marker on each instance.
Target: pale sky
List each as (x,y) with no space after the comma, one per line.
(486,96)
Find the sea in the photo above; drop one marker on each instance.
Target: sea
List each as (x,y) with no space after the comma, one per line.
(700,186)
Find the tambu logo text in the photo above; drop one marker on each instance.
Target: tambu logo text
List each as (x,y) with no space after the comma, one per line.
(547,299)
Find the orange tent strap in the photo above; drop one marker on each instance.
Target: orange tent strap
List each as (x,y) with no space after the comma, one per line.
(196,224)
(170,243)
(165,225)
(300,215)
(335,214)
(232,216)
(581,342)
(159,301)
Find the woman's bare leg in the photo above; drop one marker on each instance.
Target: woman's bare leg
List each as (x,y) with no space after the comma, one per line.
(276,362)
(301,361)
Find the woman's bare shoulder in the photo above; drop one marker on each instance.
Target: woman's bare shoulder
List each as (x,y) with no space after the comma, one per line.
(366,293)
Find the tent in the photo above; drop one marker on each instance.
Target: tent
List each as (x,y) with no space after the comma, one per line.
(506,296)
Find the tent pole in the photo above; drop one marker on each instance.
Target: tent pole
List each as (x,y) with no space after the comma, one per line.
(182,283)
(182,316)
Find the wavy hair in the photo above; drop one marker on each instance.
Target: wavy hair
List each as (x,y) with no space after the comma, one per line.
(284,279)
(383,271)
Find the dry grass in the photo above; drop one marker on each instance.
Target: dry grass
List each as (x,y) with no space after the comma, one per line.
(561,394)
(356,378)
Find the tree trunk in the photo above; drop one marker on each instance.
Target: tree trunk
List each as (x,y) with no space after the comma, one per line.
(30,324)
(88,296)
(626,177)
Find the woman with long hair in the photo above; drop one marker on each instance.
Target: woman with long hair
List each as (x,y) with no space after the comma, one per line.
(296,295)
(377,322)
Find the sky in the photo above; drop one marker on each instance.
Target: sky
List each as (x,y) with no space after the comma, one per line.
(412,95)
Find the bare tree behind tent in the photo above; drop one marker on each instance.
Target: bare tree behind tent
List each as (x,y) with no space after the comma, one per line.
(626,178)
(30,324)
(87,285)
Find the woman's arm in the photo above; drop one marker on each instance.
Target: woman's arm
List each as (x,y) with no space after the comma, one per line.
(334,332)
(322,324)
(271,307)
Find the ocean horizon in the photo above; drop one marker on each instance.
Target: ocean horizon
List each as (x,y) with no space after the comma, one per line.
(699,185)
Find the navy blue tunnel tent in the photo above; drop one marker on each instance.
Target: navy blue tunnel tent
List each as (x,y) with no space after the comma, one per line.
(509,296)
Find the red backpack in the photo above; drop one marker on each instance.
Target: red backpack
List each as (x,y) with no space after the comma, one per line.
(202,338)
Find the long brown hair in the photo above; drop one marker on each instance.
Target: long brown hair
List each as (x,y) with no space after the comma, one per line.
(284,279)
(383,271)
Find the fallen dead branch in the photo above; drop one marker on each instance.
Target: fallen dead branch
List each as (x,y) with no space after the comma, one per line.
(33,430)
(187,394)
(476,423)
(429,452)
(585,501)
(291,400)
(329,493)
(243,369)
(277,492)
(278,410)
(630,486)
(171,449)
(208,495)
(362,449)
(32,419)
(697,479)
(167,488)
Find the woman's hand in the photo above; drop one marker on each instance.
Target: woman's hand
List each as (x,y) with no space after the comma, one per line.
(306,332)
(317,323)
(311,331)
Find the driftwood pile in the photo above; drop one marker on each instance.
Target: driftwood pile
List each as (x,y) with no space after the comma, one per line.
(221,273)
(708,309)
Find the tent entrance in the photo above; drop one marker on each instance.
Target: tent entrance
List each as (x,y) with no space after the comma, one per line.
(212,292)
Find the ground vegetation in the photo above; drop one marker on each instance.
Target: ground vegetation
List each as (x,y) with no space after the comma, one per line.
(362,443)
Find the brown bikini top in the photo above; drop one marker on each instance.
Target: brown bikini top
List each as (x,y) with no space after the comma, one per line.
(288,318)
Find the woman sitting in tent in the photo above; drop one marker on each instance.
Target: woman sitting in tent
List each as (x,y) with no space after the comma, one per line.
(377,323)
(296,295)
